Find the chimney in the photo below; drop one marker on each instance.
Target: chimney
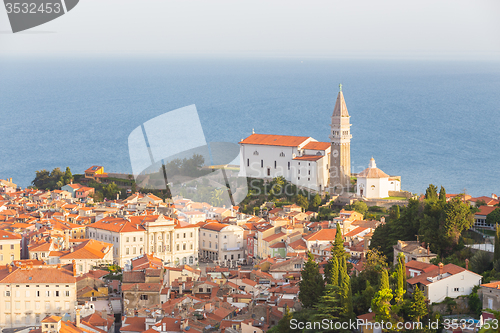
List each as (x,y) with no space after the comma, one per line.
(184,323)
(440,269)
(10,268)
(77,320)
(267,314)
(74,267)
(428,249)
(164,327)
(59,266)
(467,264)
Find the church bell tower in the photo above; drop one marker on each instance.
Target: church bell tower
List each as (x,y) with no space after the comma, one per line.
(340,158)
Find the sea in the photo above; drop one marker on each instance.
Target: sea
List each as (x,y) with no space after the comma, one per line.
(430,122)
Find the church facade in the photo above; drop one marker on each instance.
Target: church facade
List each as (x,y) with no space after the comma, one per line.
(373,183)
(320,166)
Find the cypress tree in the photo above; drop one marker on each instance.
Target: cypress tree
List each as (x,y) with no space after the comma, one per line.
(334,272)
(381,303)
(398,212)
(312,284)
(442,195)
(400,289)
(328,306)
(418,307)
(338,245)
(344,290)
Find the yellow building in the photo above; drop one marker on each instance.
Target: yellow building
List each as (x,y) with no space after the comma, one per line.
(10,247)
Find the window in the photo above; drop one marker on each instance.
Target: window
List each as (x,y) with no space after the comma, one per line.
(298,266)
(261,163)
(57,293)
(275,164)
(127,251)
(7,293)
(210,244)
(177,247)
(159,248)
(37,305)
(191,235)
(456,289)
(47,306)
(27,293)
(66,305)
(127,239)
(184,235)
(133,250)
(38,293)
(12,246)
(144,297)
(7,305)
(288,165)
(27,305)
(67,293)
(216,246)
(203,243)
(282,154)
(183,246)
(309,172)
(12,257)
(47,293)
(140,239)
(225,236)
(134,239)
(178,235)
(80,267)
(248,162)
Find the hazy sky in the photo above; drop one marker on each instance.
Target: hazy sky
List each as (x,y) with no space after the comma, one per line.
(363,28)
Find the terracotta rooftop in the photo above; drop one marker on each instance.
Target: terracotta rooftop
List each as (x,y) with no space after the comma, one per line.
(275,140)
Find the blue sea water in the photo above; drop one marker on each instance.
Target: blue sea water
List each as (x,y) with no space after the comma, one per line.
(427,121)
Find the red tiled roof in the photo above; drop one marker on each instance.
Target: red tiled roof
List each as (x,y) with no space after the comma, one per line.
(275,140)
(317,145)
(485,210)
(38,274)
(322,235)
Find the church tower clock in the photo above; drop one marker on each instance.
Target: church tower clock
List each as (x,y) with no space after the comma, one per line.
(340,137)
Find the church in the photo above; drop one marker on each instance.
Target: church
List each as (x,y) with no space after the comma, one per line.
(306,162)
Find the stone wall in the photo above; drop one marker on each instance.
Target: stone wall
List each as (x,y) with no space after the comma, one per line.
(403,194)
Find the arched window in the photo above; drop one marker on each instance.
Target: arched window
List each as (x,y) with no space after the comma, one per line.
(191,259)
(184,247)
(282,154)
(256,152)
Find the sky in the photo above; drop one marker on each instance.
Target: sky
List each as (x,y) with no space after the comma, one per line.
(421,29)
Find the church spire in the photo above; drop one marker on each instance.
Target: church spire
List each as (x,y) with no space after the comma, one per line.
(340,109)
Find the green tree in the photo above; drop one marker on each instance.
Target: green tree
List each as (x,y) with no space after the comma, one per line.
(316,201)
(381,303)
(332,271)
(338,245)
(401,275)
(110,191)
(457,216)
(302,201)
(311,286)
(431,192)
(493,217)
(418,307)
(480,262)
(480,203)
(360,207)
(68,176)
(442,195)
(345,290)
(328,306)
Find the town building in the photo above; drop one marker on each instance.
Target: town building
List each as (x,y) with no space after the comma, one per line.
(413,251)
(172,241)
(373,183)
(490,294)
(445,281)
(29,293)
(10,247)
(220,241)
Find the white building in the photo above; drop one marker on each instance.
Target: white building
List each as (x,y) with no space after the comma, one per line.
(445,281)
(30,293)
(172,241)
(221,241)
(300,160)
(374,183)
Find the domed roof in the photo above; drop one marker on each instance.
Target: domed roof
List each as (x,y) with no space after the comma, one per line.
(372,171)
